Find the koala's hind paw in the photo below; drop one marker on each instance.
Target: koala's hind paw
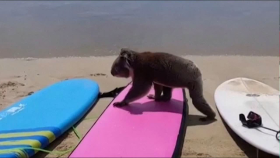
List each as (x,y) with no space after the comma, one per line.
(160,99)
(151,96)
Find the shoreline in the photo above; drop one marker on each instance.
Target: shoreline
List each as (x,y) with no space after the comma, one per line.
(106,56)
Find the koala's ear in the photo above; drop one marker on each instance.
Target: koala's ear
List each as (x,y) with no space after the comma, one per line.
(126,53)
(125,50)
(127,56)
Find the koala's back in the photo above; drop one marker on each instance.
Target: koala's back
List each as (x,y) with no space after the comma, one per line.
(168,69)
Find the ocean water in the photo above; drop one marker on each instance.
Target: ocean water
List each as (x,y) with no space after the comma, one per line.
(96,28)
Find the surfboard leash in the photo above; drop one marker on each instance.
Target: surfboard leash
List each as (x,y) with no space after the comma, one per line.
(245,85)
(254,121)
(58,153)
(113,93)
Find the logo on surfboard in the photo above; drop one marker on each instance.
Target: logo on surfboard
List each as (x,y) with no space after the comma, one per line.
(12,111)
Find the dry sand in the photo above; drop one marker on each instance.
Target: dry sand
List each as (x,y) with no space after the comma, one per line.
(21,77)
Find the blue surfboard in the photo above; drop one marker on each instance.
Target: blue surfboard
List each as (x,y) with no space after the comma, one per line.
(37,120)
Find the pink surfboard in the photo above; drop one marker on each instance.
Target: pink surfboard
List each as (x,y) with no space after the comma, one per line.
(145,128)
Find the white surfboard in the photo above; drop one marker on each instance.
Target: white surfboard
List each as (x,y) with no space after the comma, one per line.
(242,95)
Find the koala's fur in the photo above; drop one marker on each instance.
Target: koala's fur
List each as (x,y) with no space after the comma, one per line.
(165,71)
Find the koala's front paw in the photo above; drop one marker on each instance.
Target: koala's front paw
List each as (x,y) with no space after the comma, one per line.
(157,99)
(120,104)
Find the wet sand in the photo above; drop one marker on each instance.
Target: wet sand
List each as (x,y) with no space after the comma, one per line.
(21,77)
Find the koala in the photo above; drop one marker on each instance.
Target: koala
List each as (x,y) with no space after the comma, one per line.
(163,70)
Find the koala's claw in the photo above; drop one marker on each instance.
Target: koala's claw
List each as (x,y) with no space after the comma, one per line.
(120,104)
(151,96)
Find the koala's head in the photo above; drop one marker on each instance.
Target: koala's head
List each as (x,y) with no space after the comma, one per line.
(122,65)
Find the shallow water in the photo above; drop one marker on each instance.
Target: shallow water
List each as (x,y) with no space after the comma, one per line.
(89,28)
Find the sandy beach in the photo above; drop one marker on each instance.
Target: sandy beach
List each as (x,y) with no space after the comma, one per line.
(212,34)
(21,77)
